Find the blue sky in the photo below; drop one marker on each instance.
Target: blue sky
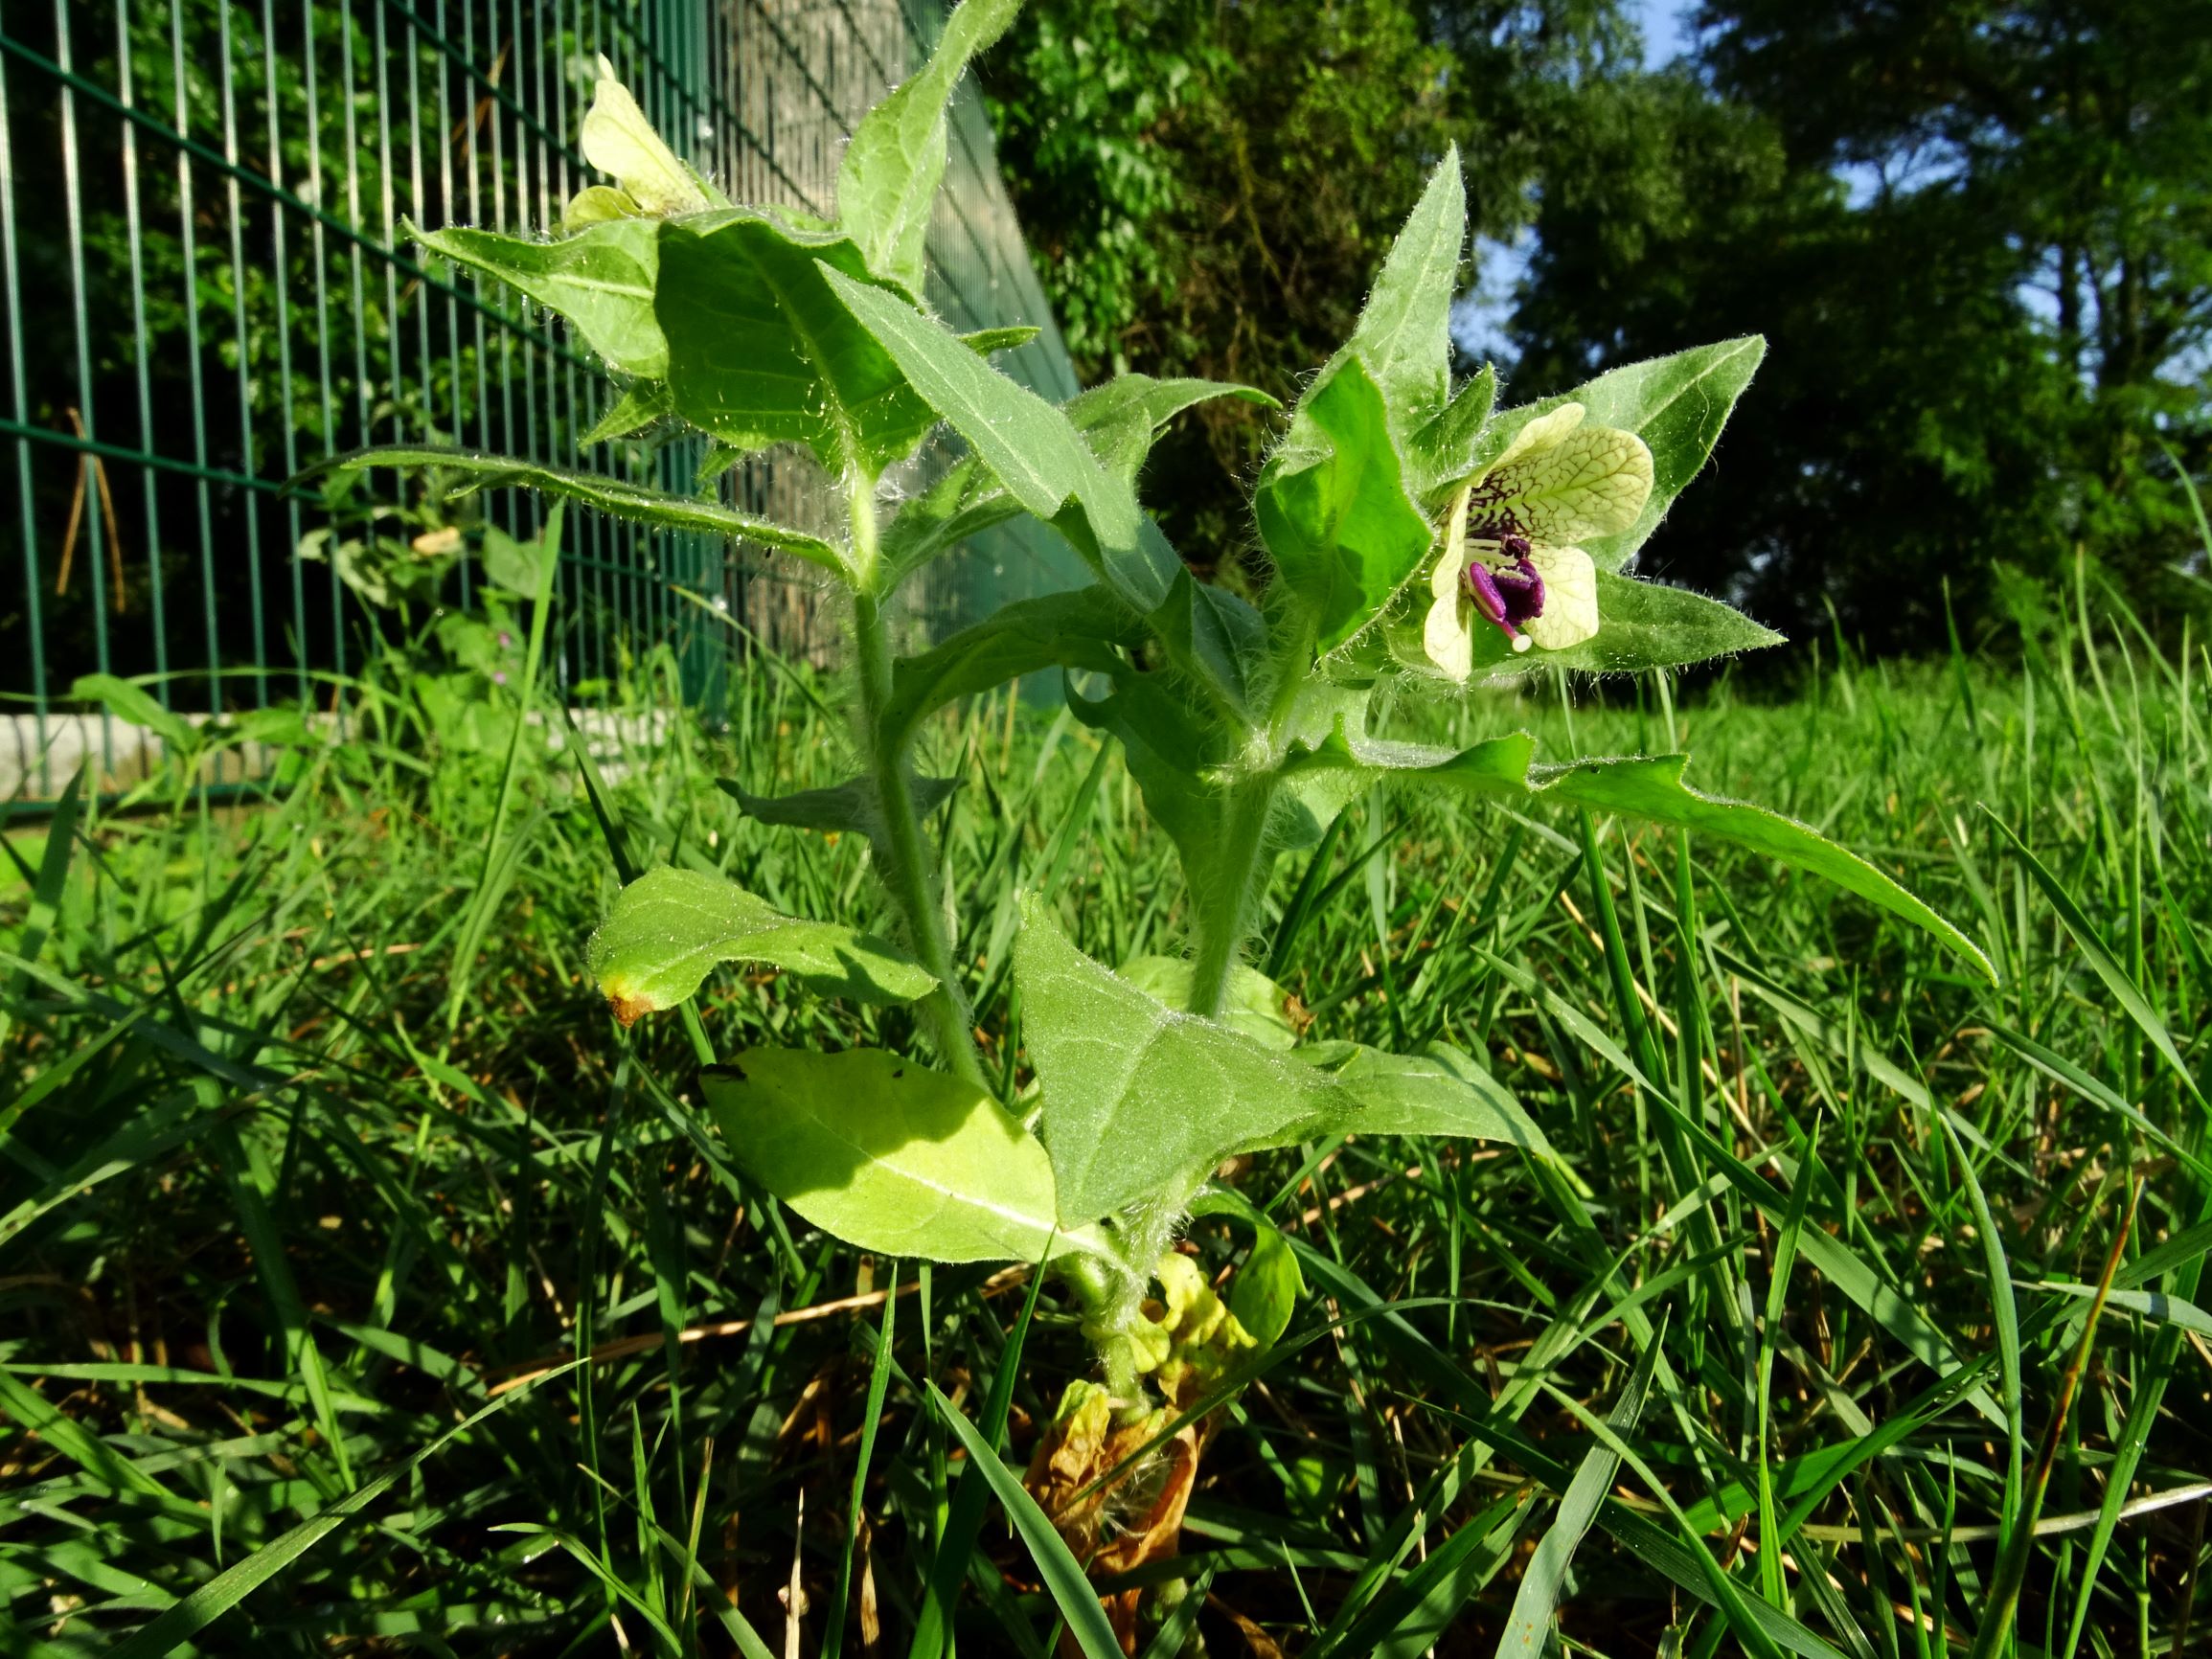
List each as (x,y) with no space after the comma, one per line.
(1664,35)
(1479,320)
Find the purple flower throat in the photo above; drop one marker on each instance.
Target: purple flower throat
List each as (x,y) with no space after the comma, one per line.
(1510,597)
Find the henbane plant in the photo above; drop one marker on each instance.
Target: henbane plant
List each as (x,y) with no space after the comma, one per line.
(1416,539)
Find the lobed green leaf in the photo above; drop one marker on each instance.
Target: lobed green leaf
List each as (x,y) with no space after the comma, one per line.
(1444,449)
(761,352)
(670,927)
(1174,752)
(891,170)
(609,496)
(1125,1076)
(1403,335)
(1033,447)
(602,279)
(1078,629)
(1254,1004)
(1649,789)
(1119,420)
(1334,510)
(1141,1099)
(891,1156)
(641,405)
(1643,625)
(1438,1091)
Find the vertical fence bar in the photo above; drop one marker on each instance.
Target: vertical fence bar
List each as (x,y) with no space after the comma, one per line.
(19,406)
(244,343)
(281,280)
(176,294)
(157,594)
(86,414)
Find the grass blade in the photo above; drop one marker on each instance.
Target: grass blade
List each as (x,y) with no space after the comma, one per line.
(2002,1606)
(1062,1575)
(964,1520)
(2099,957)
(1528,1626)
(188,1618)
(878,1383)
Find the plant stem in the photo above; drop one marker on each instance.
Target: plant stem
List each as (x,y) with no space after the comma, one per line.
(902,853)
(1221,917)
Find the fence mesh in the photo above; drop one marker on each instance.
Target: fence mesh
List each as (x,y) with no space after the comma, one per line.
(207,285)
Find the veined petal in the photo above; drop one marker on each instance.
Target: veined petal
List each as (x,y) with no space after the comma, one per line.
(1448,635)
(1452,565)
(1570,602)
(619,142)
(1594,480)
(1540,434)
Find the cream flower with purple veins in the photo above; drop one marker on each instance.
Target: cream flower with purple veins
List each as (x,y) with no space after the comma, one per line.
(650,182)
(1508,557)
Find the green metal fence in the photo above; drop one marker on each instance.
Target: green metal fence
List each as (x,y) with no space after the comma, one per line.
(207,285)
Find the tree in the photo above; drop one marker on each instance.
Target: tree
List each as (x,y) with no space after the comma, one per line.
(1977,235)
(1209,185)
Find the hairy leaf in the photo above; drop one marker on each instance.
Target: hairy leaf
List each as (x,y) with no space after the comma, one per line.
(1120,420)
(851,808)
(1334,510)
(1140,1099)
(643,403)
(670,927)
(608,495)
(1216,635)
(1254,1005)
(965,501)
(1173,751)
(891,1156)
(1403,335)
(1035,448)
(896,160)
(1641,624)
(1446,449)
(1076,629)
(1438,1091)
(1639,788)
(601,279)
(761,352)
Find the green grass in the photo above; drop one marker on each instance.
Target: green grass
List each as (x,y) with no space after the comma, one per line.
(1801,1302)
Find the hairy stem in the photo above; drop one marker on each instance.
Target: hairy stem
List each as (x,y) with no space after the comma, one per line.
(1221,917)
(904,856)
(1113,1294)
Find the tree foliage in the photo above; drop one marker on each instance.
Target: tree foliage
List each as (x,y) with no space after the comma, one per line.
(1976,234)
(1974,231)
(1208,188)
